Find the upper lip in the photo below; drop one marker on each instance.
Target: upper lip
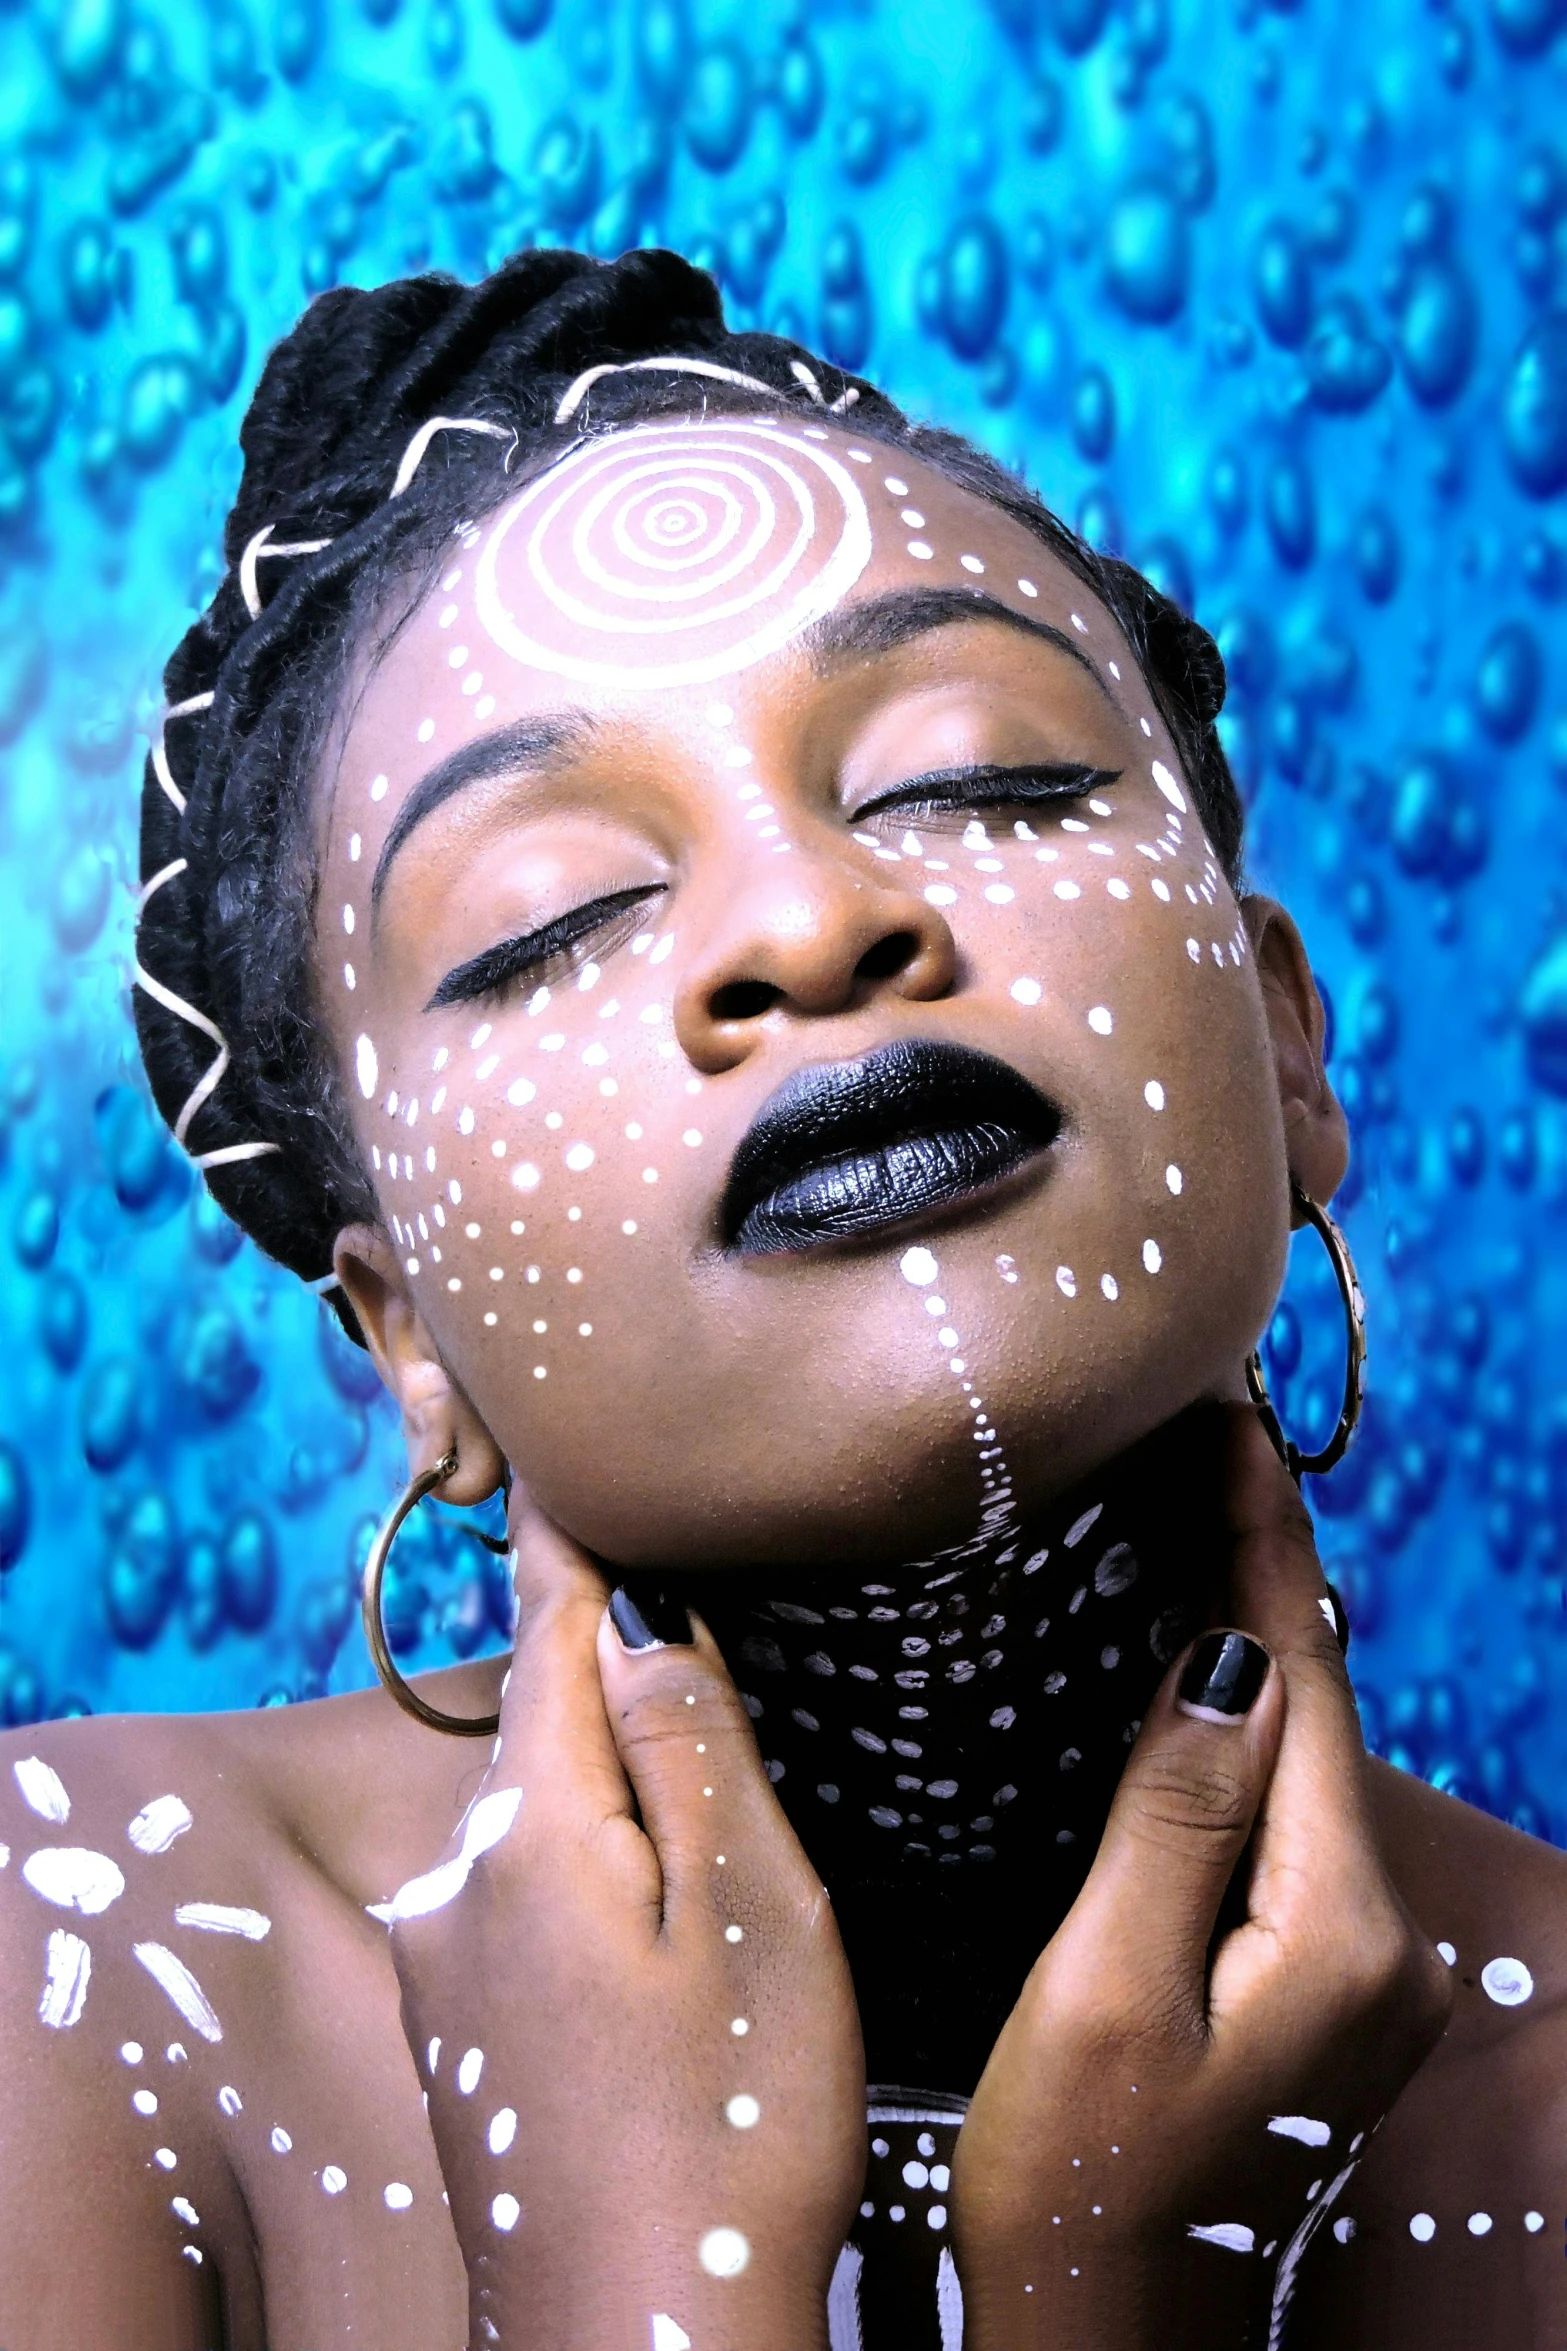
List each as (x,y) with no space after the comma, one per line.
(916,1092)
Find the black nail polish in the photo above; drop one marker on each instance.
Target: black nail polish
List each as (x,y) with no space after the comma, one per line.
(652,1621)
(1224,1674)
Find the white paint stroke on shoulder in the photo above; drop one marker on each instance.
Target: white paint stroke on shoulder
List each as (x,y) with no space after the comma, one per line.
(158,1824)
(67,1967)
(174,1978)
(42,1788)
(489,1821)
(219,1918)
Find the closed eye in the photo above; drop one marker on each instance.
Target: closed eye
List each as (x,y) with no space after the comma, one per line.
(554,949)
(945,790)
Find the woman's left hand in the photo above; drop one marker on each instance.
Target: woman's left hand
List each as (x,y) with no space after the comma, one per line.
(1182,2089)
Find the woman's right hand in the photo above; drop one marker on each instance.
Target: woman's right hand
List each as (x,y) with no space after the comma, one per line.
(1179,2095)
(633,2015)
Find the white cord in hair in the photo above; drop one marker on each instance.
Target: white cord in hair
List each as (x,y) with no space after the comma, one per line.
(160,756)
(578,391)
(215,1068)
(323,1282)
(255,549)
(413,455)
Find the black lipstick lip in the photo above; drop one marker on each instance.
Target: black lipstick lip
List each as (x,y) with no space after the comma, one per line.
(844,1150)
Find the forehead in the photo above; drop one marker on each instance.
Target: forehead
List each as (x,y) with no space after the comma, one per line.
(663,560)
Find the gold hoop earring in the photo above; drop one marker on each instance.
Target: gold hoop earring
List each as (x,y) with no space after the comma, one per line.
(458,1726)
(1316,1464)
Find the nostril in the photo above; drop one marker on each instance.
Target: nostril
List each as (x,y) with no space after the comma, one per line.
(744,1000)
(888,957)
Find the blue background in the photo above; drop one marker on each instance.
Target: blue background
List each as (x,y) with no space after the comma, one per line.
(1268,298)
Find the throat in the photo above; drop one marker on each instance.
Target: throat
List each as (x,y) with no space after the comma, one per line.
(946,1737)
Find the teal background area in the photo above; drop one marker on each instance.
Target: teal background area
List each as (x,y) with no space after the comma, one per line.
(1270,298)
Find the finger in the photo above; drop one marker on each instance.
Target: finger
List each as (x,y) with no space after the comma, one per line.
(1182,1815)
(1315,1837)
(686,1745)
(555,1742)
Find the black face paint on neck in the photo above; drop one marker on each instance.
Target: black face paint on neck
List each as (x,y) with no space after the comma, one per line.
(947,1739)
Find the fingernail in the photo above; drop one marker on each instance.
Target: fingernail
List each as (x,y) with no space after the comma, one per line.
(1222,1677)
(652,1622)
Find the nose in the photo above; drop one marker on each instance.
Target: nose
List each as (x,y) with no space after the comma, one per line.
(807,936)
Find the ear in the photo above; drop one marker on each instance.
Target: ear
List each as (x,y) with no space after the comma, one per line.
(437,1415)
(1316,1132)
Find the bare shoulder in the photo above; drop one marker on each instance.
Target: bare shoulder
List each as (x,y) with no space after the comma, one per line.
(199,2030)
(1450,2233)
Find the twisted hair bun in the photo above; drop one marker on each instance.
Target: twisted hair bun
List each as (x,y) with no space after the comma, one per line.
(225,1009)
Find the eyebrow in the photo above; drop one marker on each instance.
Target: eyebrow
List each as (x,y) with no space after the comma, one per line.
(527,742)
(882,623)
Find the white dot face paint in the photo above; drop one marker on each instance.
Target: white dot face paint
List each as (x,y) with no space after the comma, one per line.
(397,2196)
(470,2066)
(367,1068)
(919,1268)
(505,2212)
(1422,2228)
(503,2129)
(723,2253)
(334,2179)
(743,2111)
(683,553)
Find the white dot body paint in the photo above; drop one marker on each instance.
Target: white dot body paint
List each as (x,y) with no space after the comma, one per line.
(505,2212)
(1232,2235)
(1026,991)
(1447,1953)
(42,1789)
(1301,2127)
(503,2129)
(723,2253)
(1153,1094)
(1153,1256)
(334,2179)
(183,2209)
(397,2196)
(366,1067)
(1344,2228)
(281,2142)
(667,2335)
(1422,2228)
(67,1971)
(469,2070)
(158,1824)
(74,1878)
(743,2111)
(144,2101)
(1479,2224)
(1534,2222)
(230,2102)
(1100,1021)
(131,2052)
(1507,1982)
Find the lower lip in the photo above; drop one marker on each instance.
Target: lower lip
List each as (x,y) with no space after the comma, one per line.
(873,1191)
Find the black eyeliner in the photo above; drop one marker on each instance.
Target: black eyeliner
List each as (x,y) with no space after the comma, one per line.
(1031,784)
(486,974)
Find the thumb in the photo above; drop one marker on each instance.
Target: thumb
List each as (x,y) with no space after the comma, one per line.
(1182,1815)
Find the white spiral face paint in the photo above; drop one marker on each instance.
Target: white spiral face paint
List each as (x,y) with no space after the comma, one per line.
(731,538)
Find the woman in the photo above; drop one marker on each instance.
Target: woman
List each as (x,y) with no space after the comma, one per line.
(710,928)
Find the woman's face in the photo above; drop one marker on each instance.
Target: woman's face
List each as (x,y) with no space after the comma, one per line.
(742,763)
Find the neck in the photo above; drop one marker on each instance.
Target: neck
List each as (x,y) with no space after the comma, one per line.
(946,1737)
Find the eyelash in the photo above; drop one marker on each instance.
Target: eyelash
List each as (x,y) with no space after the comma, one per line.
(555,947)
(558,943)
(1037,784)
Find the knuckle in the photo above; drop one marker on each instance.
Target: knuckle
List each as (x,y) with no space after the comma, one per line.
(678,1698)
(1178,1800)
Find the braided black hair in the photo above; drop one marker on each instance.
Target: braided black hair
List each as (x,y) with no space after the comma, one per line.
(224,939)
